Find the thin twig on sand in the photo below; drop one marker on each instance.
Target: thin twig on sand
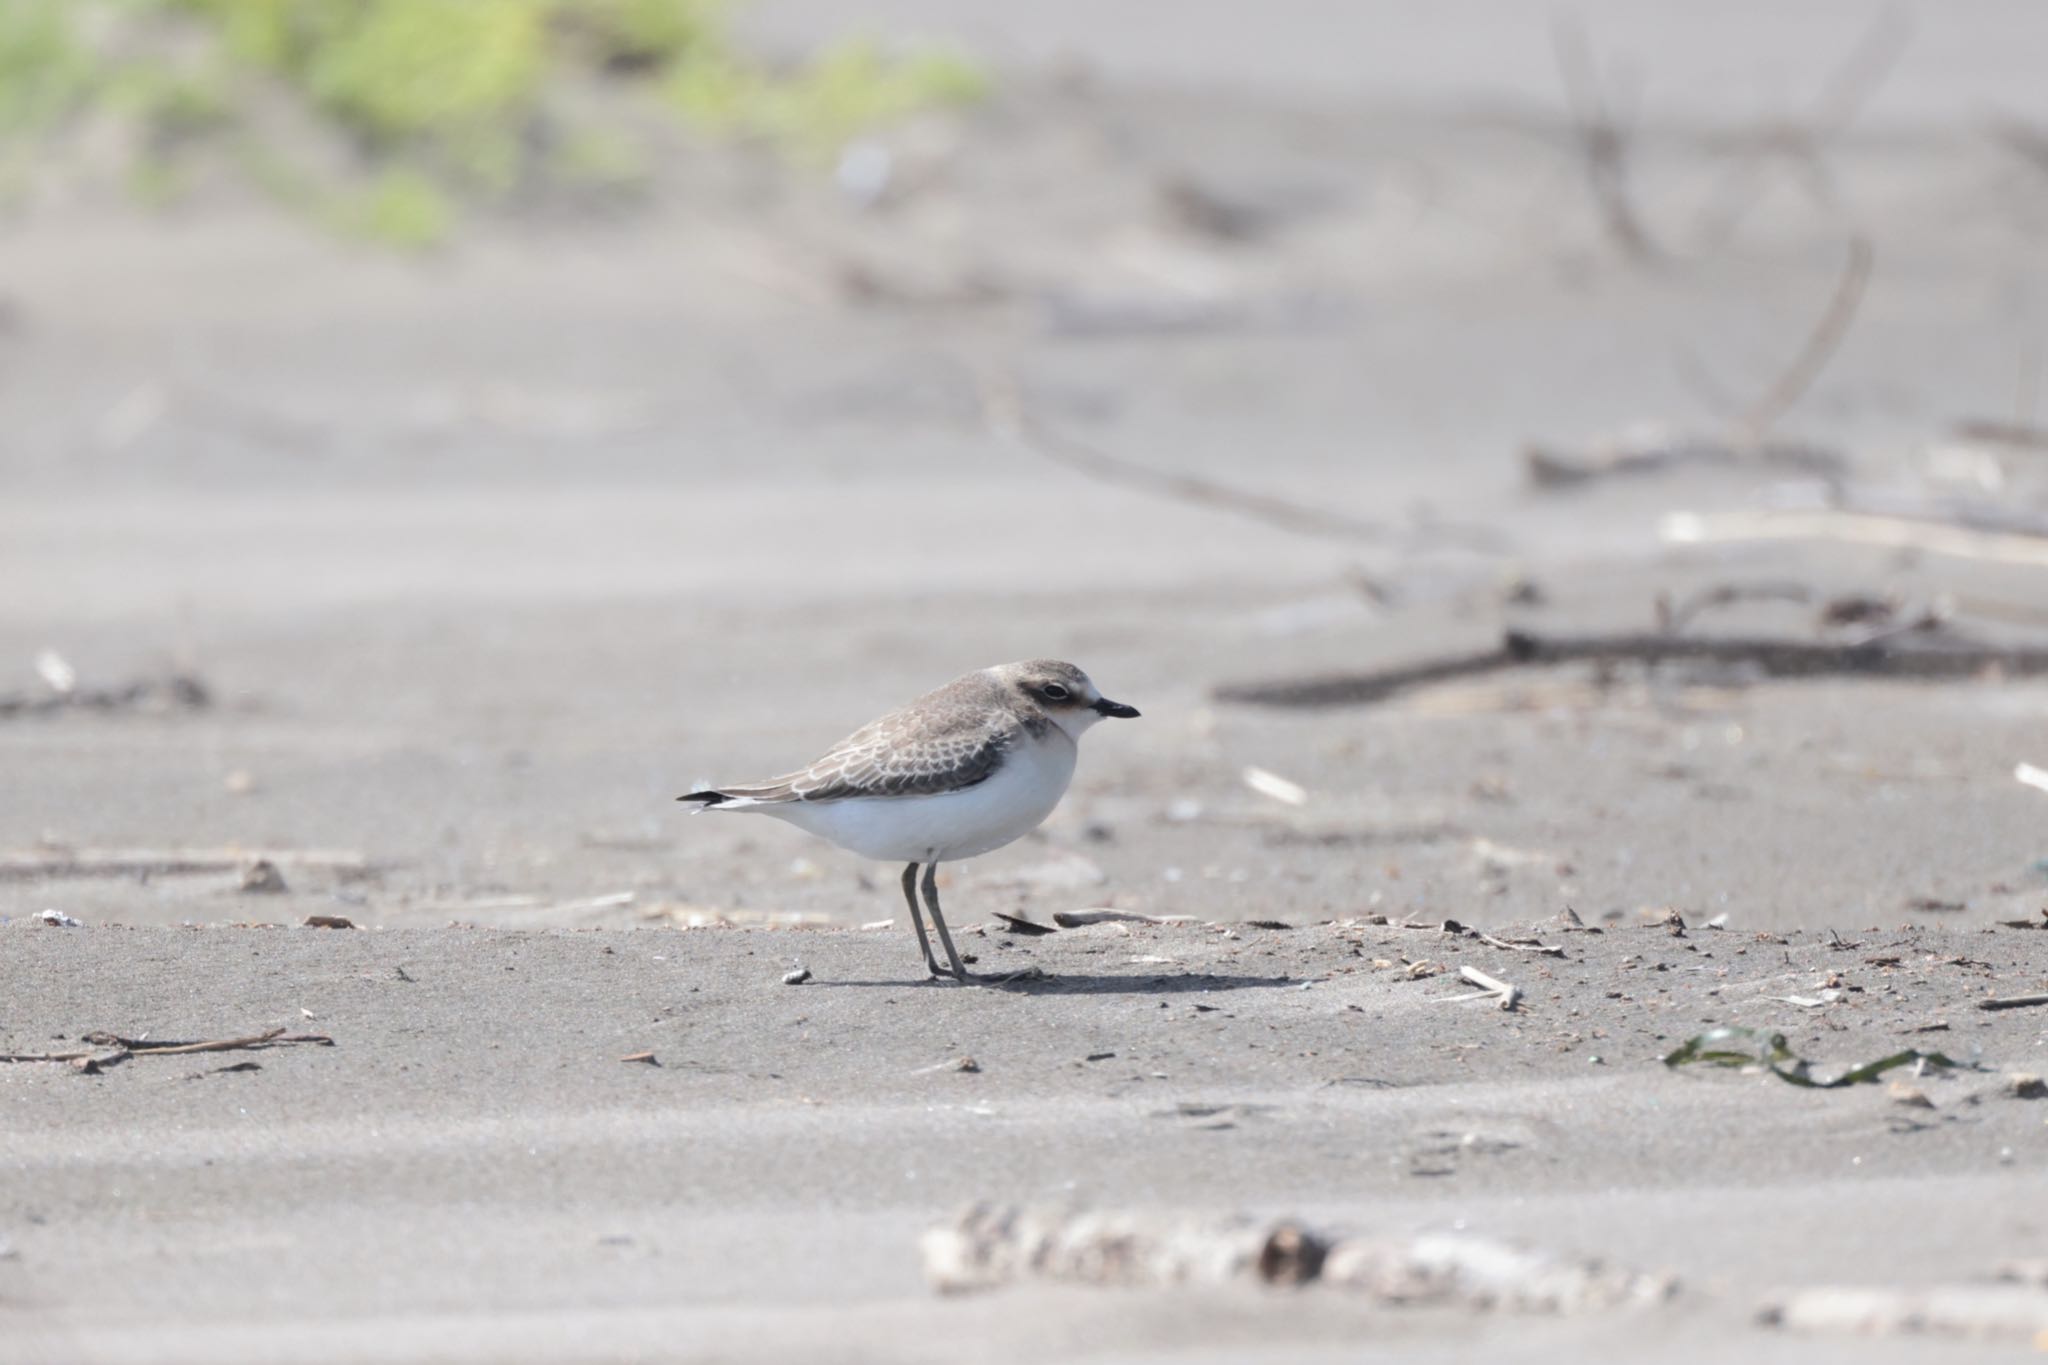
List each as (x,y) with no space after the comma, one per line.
(2019,435)
(1802,142)
(1454,929)
(1749,443)
(1004,410)
(1886,531)
(1542,949)
(1603,142)
(1676,616)
(268,1038)
(1510,996)
(1820,345)
(1003,407)
(111,1049)
(1657,449)
(1771,657)
(2013,1002)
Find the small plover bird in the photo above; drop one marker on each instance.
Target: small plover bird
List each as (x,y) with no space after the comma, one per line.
(958,772)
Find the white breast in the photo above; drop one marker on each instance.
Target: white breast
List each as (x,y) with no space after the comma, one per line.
(1009,804)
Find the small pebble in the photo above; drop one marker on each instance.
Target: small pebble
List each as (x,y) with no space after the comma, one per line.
(797,977)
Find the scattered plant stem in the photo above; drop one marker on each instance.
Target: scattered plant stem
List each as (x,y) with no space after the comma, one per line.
(1743,1047)
(1769,656)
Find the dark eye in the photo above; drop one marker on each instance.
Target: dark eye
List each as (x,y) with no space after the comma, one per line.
(1054,692)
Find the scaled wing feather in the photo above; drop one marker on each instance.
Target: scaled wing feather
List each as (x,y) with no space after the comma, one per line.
(899,756)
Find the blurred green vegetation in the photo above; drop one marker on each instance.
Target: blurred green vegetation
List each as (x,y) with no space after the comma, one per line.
(438,106)
(848,88)
(44,70)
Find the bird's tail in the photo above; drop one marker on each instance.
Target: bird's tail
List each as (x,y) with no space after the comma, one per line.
(774,793)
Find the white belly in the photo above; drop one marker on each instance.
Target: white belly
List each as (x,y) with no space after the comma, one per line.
(918,829)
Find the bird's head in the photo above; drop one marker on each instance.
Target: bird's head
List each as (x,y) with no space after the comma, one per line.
(1062,691)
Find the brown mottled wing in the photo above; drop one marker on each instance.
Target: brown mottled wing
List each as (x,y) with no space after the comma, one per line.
(905,753)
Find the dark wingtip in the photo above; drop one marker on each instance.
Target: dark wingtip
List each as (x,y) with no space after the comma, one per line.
(708,798)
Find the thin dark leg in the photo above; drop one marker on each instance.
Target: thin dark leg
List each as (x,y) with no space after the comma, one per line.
(917,921)
(931,902)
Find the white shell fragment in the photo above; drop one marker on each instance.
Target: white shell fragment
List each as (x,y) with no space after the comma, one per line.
(991,1245)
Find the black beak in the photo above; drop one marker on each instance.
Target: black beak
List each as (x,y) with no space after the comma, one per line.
(1106,707)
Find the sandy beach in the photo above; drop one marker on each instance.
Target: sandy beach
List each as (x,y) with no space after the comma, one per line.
(408,592)
(471,1171)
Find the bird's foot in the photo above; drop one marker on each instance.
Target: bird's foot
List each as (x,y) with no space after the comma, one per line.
(931,965)
(1021,975)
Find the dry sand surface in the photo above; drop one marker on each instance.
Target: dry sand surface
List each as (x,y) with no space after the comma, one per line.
(472,1171)
(471,564)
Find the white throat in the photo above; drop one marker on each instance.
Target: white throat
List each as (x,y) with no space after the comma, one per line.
(1073,723)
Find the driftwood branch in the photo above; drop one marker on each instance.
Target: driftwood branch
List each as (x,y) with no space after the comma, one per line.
(1771,657)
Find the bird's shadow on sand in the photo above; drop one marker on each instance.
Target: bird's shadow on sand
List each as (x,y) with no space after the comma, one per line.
(1085,983)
